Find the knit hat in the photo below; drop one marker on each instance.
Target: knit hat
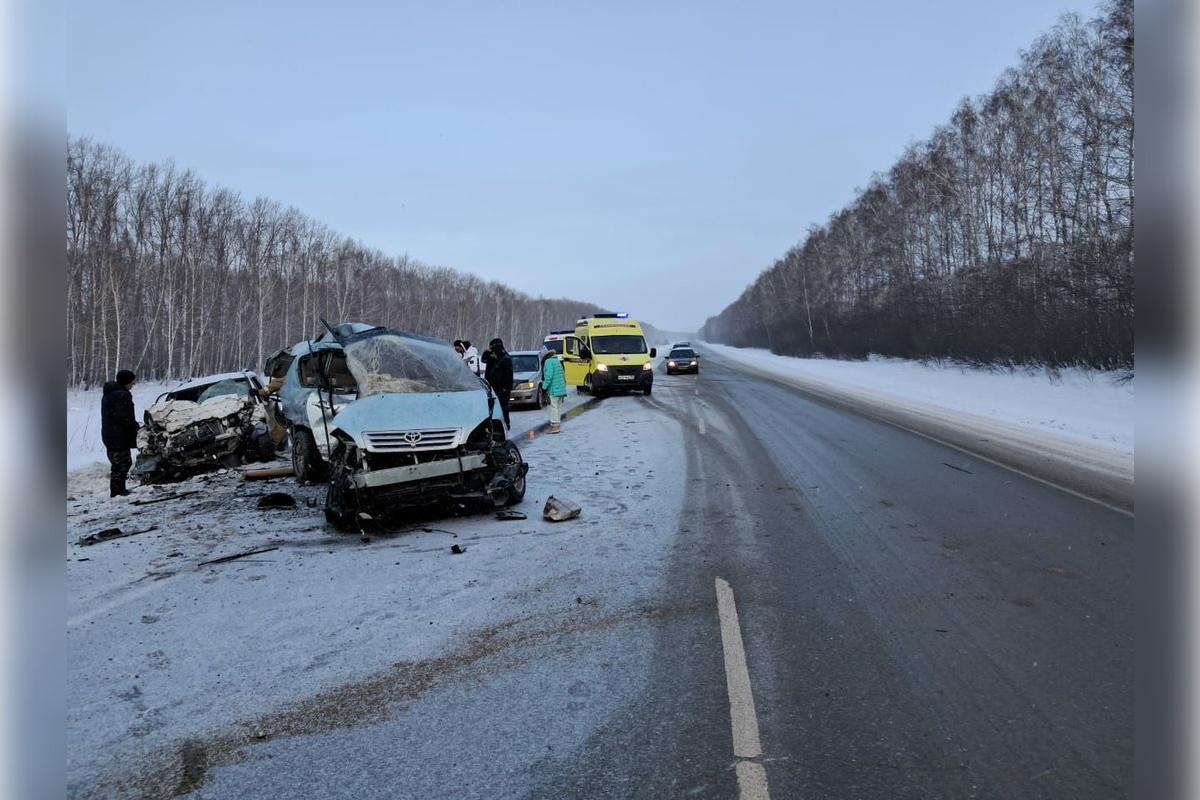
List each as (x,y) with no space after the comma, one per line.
(125,377)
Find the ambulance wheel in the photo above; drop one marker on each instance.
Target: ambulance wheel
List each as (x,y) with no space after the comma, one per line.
(648,389)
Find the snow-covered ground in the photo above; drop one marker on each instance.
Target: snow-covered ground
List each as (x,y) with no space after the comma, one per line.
(169,656)
(1077,405)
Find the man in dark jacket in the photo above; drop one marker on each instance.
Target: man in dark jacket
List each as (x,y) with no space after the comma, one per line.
(499,374)
(118,429)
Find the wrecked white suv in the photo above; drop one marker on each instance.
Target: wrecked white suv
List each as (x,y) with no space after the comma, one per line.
(204,424)
(424,429)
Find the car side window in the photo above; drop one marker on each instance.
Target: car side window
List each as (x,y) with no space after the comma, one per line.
(308,371)
(572,347)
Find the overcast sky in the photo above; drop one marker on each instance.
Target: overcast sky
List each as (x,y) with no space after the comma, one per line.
(648,156)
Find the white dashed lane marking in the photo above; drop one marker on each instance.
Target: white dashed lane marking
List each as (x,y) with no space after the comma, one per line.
(751,775)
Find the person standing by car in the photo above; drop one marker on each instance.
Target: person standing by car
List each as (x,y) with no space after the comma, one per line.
(118,429)
(468,353)
(554,382)
(499,373)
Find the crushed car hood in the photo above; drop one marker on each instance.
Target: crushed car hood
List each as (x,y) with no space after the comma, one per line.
(414,411)
(176,415)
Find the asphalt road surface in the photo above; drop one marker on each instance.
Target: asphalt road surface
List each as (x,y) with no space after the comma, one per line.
(777,598)
(917,623)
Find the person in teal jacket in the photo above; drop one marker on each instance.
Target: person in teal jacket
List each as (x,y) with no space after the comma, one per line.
(554,382)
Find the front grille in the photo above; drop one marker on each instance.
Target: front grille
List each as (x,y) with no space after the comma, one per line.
(412,441)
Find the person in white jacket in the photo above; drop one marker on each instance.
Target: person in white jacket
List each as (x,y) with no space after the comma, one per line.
(469,354)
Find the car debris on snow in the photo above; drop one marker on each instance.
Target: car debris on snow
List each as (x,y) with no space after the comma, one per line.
(457,549)
(560,509)
(510,515)
(277,500)
(269,472)
(164,498)
(236,556)
(111,533)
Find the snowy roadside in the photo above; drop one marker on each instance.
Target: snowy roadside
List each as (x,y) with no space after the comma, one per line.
(166,651)
(1075,433)
(1081,405)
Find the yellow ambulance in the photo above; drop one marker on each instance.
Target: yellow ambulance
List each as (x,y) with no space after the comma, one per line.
(608,353)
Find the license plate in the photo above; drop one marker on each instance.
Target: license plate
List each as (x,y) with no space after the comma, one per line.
(624,377)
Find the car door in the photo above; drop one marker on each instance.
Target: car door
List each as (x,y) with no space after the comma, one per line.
(575,366)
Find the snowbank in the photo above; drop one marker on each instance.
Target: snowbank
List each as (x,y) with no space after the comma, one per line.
(84,446)
(1077,405)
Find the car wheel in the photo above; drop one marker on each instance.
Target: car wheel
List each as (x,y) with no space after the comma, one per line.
(541,399)
(649,388)
(340,520)
(306,463)
(587,384)
(510,458)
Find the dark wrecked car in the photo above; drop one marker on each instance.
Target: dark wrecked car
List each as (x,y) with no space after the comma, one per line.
(424,429)
(204,424)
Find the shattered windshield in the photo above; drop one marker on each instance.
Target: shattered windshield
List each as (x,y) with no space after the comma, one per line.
(238,387)
(389,363)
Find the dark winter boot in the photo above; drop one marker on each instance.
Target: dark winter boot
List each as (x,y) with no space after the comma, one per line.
(116,488)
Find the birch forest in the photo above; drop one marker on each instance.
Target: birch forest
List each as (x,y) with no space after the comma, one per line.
(172,278)
(1006,237)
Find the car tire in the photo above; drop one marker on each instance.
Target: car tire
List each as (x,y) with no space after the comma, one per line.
(541,399)
(649,388)
(306,462)
(587,384)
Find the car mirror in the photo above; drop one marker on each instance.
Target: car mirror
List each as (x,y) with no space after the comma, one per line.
(653,352)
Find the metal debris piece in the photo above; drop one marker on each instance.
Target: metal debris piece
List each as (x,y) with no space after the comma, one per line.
(164,498)
(236,556)
(510,515)
(269,472)
(110,533)
(560,509)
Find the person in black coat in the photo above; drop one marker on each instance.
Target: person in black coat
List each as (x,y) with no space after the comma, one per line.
(118,429)
(499,374)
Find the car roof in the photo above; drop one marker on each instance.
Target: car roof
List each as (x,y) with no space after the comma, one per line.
(241,375)
(524,352)
(302,348)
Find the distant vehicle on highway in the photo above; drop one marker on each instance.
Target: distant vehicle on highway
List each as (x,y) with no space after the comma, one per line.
(681,344)
(527,380)
(683,359)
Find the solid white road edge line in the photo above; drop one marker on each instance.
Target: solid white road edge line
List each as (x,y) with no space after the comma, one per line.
(700,423)
(752,777)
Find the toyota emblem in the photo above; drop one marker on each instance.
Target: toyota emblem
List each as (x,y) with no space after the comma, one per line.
(413,437)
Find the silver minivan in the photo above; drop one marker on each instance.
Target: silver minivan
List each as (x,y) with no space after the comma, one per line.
(422,429)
